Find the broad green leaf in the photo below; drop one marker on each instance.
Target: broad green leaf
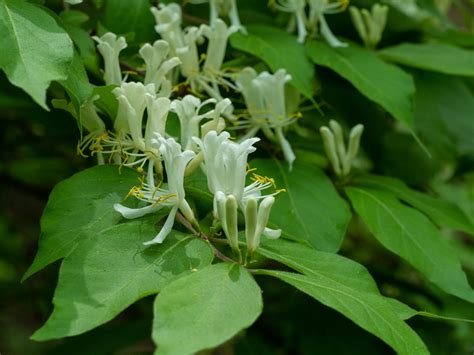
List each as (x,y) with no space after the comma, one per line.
(444,108)
(78,208)
(107,102)
(35,49)
(77,85)
(125,16)
(204,309)
(440,211)
(278,49)
(411,235)
(106,274)
(310,209)
(438,57)
(332,267)
(383,83)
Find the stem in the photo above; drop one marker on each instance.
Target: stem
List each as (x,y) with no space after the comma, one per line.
(217,253)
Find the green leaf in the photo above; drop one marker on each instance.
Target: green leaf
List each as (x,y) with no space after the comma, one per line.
(347,287)
(204,309)
(77,85)
(443,112)
(78,208)
(411,235)
(278,49)
(35,49)
(383,83)
(441,212)
(310,209)
(124,16)
(107,102)
(105,275)
(438,57)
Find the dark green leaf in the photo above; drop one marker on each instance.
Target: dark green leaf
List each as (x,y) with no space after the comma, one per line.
(438,57)
(204,309)
(382,83)
(441,212)
(310,210)
(105,275)
(78,208)
(411,235)
(35,49)
(278,49)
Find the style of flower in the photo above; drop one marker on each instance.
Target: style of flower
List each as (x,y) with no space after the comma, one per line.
(172,195)
(110,46)
(264,95)
(333,140)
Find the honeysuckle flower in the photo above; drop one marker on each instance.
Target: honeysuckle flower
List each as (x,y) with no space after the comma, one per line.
(188,54)
(175,161)
(256,220)
(297,7)
(110,46)
(370,25)
(333,140)
(223,7)
(317,10)
(168,23)
(227,213)
(264,95)
(158,66)
(188,112)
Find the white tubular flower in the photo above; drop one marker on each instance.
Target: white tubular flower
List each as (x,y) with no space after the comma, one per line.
(228,215)
(298,8)
(168,23)
(217,34)
(252,95)
(189,117)
(173,196)
(132,98)
(158,66)
(272,89)
(188,54)
(223,7)
(256,220)
(333,140)
(110,47)
(317,10)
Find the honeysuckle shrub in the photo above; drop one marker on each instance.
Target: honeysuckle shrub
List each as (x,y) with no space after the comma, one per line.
(300,147)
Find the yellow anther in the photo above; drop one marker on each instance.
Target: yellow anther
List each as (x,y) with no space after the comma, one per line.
(140,169)
(80,152)
(263,179)
(249,169)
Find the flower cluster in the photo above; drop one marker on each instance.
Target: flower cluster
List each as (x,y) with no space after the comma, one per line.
(309,15)
(140,139)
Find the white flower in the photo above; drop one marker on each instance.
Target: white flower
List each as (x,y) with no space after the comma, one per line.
(317,10)
(168,23)
(173,196)
(109,47)
(333,140)
(264,95)
(370,25)
(223,7)
(225,165)
(188,112)
(158,66)
(298,8)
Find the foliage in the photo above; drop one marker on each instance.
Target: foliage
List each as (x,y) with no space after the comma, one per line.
(205,196)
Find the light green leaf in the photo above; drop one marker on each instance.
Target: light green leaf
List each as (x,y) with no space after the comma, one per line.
(105,275)
(383,83)
(310,209)
(35,49)
(441,212)
(369,311)
(204,309)
(438,57)
(411,235)
(78,208)
(278,49)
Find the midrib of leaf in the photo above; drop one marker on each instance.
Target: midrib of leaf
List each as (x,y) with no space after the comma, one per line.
(398,223)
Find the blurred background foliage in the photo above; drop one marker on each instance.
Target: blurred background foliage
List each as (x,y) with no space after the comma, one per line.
(38,150)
